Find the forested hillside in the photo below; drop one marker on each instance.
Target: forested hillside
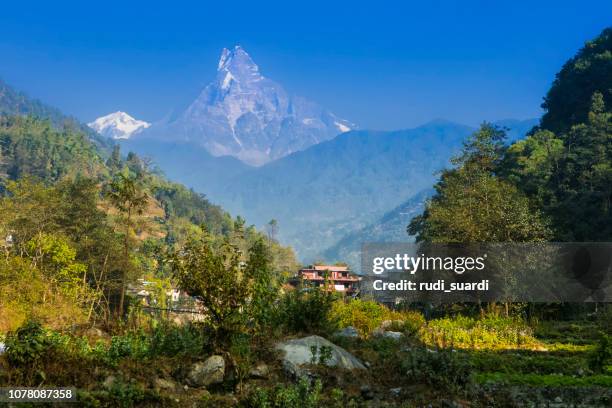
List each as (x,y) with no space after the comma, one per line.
(389,228)
(83,228)
(569,100)
(14,102)
(554,185)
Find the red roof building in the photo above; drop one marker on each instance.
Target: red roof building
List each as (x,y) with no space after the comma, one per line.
(339,278)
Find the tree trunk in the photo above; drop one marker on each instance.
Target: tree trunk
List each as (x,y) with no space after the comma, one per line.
(126,253)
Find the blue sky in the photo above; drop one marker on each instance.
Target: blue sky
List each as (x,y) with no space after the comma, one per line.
(382,65)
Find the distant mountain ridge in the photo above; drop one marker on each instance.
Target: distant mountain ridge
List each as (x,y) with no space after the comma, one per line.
(248,116)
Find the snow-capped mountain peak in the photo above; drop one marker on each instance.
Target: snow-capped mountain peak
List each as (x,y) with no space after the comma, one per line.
(246,115)
(118,125)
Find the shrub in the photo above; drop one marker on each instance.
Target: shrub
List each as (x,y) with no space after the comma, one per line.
(170,340)
(487,333)
(367,315)
(601,357)
(133,345)
(164,340)
(242,355)
(27,345)
(413,322)
(443,370)
(235,295)
(120,394)
(604,318)
(301,395)
(337,398)
(363,315)
(307,311)
(23,285)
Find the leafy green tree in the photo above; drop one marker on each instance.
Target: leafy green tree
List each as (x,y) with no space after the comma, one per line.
(569,176)
(38,218)
(114,162)
(217,279)
(533,164)
(56,258)
(265,284)
(472,204)
(98,246)
(129,199)
(583,210)
(272,228)
(28,209)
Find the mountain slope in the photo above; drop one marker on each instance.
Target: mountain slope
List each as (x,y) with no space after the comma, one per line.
(118,125)
(14,102)
(31,146)
(188,163)
(391,227)
(337,187)
(248,116)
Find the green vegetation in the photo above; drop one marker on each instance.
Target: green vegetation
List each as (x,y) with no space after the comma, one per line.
(366,316)
(78,230)
(472,204)
(568,101)
(292,396)
(475,334)
(551,380)
(550,186)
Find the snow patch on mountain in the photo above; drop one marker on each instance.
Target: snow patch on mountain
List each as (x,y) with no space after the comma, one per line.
(118,125)
(342,127)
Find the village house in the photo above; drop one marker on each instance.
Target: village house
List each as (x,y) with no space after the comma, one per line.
(339,278)
(143,291)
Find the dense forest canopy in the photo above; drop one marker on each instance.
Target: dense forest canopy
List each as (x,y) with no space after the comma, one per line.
(568,101)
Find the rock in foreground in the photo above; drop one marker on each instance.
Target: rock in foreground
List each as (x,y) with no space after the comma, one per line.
(209,372)
(298,352)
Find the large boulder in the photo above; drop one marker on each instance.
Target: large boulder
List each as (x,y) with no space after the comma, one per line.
(298,352)
(206,373)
